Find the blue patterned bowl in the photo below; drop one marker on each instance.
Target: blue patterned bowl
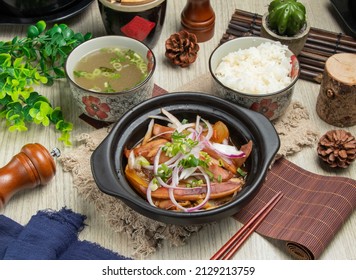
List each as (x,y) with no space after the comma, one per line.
(109,107)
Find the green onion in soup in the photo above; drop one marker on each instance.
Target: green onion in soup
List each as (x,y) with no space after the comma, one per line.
(110,70)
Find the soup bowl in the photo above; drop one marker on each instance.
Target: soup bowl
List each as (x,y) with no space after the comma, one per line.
(108,161)
(272,103)
(109,107)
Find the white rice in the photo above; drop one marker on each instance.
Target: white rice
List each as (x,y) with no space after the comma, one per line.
(256,70)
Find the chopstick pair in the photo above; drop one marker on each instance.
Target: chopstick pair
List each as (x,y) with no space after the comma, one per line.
(230,247)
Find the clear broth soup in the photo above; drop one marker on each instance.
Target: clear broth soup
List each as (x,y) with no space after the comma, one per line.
(110,70)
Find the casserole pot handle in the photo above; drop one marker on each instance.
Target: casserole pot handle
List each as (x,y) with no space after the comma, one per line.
(269,138)
(105,175)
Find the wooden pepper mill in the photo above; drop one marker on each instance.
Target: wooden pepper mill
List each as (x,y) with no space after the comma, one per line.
(198,17)
(31,167)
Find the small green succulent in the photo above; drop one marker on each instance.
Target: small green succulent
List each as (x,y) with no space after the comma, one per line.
(286,17)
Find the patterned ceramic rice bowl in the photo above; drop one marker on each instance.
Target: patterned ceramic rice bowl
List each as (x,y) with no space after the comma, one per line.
(109,107)
(272,104)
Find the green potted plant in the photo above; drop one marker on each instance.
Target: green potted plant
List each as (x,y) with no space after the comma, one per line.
(286,22)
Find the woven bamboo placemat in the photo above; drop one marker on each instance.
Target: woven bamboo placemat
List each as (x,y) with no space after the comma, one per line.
(311,212)
(320,45)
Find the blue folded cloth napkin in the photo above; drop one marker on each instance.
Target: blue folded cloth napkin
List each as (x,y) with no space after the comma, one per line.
(49,235)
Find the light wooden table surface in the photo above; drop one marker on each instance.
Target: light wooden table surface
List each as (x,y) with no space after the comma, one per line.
(60,192)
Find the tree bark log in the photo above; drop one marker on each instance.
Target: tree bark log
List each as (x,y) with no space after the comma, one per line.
(336,102)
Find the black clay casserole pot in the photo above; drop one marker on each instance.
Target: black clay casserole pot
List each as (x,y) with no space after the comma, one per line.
(108,162)
(29,8)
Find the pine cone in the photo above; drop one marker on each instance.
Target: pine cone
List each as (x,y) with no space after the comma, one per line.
(337,148)
(182,48)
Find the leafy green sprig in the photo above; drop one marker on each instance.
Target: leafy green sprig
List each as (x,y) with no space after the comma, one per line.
(31,61)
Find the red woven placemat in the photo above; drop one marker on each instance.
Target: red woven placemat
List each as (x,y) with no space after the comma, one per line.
(311,212)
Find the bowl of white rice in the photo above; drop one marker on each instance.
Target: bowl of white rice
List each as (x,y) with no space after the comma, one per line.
(256,73)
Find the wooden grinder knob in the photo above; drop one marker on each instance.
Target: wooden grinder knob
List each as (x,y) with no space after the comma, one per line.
(32,167)
(198,17)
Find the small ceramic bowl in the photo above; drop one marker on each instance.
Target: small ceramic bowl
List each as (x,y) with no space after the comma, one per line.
(143,22)
(108,161)
(35,7)
(272,105)
(295,43)
(109,107)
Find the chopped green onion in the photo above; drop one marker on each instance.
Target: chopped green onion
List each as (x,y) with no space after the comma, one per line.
(241,172)
(195,183)
(192,161)
(180,144)
(164,172)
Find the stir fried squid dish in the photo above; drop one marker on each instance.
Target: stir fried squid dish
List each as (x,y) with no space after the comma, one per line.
(186,166)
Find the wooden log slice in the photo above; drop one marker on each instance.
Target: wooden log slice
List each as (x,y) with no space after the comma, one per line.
(336,102)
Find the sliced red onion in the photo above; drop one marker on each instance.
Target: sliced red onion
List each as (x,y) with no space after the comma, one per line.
(156,160)
(159,135)
(148,167)
(148,134)
(193,134)
(197,124)
(173,160)
(184,127)
(167,186)
(210,130)
(159,117)
(186,173)
(196,150)
(207,195)
(175,176)
(149,195)
(174,201)
(198,207)
(172,118)
(131,160)
(228,150)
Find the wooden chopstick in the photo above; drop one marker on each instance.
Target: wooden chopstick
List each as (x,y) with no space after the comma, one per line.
(235,242)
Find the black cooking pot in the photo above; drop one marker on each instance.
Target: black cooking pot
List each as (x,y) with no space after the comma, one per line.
(108,162)
(36,7)
(352,8)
